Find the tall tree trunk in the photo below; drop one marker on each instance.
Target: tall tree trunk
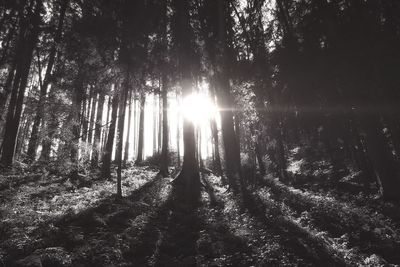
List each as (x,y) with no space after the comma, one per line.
(76,125)
(107,153)
(87,105)
(139,157)
(199,152)
(120,134)
(164,162)
(28,42)
(160,124)
(155,124)
(33,141)
(22,134)
(107,127)
(189,177)
(135,137)
(178,136)
(128,135)
(231,147)
(97,132)
(92,118)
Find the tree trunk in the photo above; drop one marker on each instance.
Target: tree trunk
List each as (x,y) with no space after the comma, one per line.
(120,135)
(160,123)
(107,153)
(107,126)
(231,147)
(189,177)
(76,125)
(155,124)
(20,81)
(128,135)
(199,152)
(91,121)
(164,162)
(178,136)
(33,143)
(135,137)
(97,132)
(139,157)
(26,120)
(87,104)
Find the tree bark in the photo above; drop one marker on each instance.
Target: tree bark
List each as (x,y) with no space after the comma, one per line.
(33,143)
(128,135)
(107,126)
(76,125)
(160,123)
(91,121)
(28,42)
(155,124)
(107,153)
(178,136)
(189,177)
(139,157)
(231,147)
(120,135)
(164,162)
(97,132)
(135,137)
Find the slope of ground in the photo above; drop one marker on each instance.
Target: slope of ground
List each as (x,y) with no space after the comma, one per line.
(48,222)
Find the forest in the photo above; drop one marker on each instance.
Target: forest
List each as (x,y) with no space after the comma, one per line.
(199,133)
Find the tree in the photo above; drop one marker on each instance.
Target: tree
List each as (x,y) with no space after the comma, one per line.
(107,153)
(28,37)
(164,161)
(188,178)
(120,132)
(139,157)
(128,135)
(217,19)
(97,132)
(32,147)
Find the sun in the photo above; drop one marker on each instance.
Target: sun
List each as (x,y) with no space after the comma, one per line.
(198,108)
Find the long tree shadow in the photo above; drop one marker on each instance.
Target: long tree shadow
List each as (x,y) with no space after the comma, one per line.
(169,238)
(88,234)
(178,235)
(240,238)
(340,218)
(292,235)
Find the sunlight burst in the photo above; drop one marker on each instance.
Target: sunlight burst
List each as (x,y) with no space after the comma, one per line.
(198,108)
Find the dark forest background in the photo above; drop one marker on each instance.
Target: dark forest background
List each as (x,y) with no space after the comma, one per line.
(309,131)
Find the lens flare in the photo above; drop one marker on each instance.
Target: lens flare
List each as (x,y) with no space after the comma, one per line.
(198,108)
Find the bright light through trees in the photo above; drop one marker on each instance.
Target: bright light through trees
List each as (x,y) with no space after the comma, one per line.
(198,108)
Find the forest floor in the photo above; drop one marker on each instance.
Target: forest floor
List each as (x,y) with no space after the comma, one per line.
(46,220)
